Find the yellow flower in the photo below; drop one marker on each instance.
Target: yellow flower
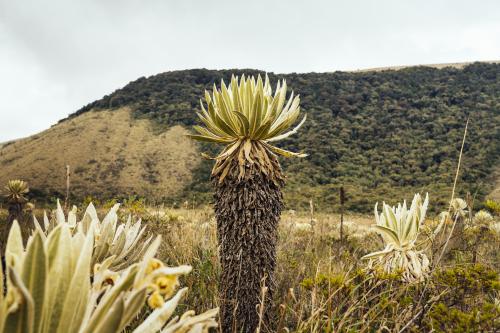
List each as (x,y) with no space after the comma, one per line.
(153,264)
(155,300)
(167,284)
(110,277)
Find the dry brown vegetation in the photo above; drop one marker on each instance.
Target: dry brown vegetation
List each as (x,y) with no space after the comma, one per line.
(458,65)
(321,286)
(106,151)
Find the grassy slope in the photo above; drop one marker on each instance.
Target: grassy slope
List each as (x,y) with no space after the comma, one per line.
(109,153)
(459,65)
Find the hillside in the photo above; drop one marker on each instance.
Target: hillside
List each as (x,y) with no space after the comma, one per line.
(381,134)
(109,153)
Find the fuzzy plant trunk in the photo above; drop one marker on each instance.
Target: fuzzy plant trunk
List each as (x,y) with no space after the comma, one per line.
(15,212)
(247,212)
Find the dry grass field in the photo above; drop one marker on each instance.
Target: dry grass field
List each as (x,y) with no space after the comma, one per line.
(321,282)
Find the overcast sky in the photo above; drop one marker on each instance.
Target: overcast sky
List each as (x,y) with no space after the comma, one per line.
(58,55)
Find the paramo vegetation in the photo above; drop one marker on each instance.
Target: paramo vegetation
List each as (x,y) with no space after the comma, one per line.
(409,270)
(323,283)
(68,279)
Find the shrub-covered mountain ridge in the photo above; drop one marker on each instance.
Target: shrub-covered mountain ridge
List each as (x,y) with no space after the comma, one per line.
(382,135)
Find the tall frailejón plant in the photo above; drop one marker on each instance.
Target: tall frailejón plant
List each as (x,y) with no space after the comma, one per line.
(16,198)
(247,117)
(399,227)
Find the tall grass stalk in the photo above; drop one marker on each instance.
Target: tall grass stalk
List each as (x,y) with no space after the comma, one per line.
(453,195)
(450,233)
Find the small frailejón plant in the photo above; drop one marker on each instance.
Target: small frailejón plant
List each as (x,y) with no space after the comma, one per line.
(124,242)
(247,117)
(399,228)
(16,198)
(51,287)
(459,208)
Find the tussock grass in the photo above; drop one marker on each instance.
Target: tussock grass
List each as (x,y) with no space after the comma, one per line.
(322,285)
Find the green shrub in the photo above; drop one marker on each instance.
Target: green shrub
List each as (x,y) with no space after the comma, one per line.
(450,319)
(492,206)
(464,282)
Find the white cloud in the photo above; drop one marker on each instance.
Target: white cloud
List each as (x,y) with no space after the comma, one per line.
(31,100)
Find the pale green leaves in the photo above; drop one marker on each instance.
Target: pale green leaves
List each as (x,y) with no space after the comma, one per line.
(52,287)
(16,189)
(247,110)
(459,207)
(124,242)
(49,283)
(399,227)
(246,116)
